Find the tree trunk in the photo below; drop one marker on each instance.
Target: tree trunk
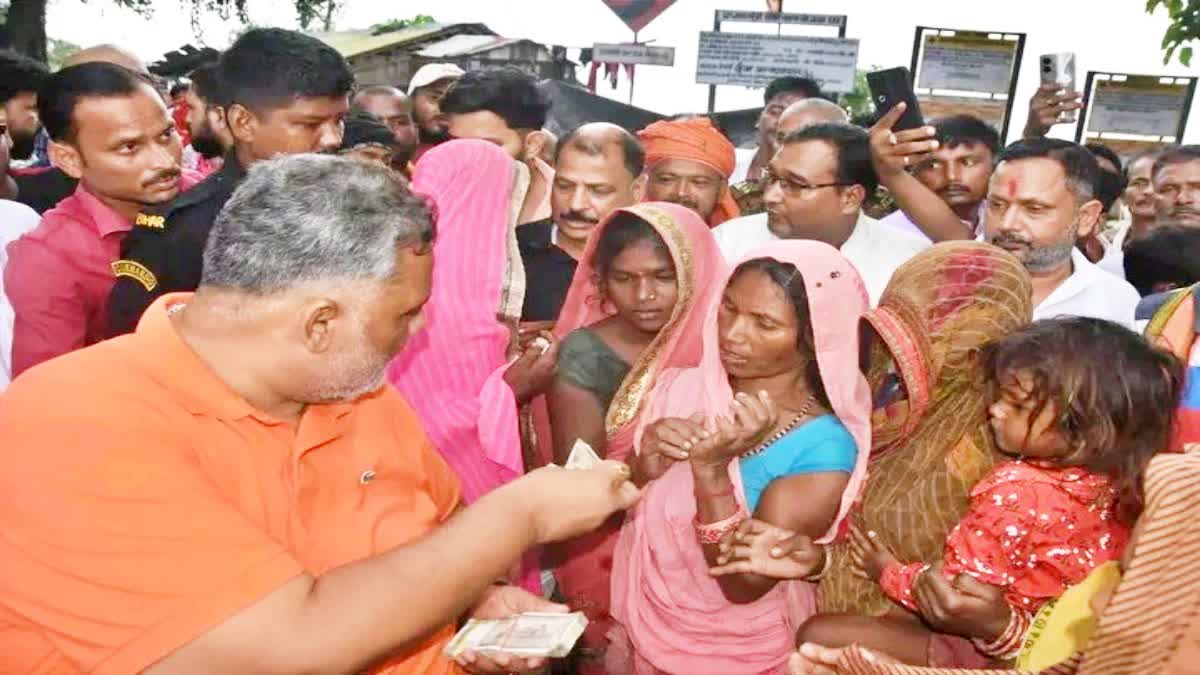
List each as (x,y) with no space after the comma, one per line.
(25,29)
(330,5)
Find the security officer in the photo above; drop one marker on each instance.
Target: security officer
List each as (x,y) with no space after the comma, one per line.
(283,93)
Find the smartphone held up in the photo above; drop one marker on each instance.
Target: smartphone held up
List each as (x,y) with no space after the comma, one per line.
(1059,70)
(891,87)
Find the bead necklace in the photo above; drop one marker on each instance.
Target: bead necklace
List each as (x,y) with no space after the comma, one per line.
(800,417)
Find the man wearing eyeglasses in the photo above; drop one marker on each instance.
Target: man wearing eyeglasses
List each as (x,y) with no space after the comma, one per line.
(814,188)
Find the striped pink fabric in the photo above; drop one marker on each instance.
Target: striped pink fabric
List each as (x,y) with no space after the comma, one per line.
(452,372)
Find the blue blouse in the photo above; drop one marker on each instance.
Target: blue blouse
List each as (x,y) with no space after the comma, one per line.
(820,445)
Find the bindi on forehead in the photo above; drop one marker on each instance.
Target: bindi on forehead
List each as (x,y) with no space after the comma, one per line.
(1011,187)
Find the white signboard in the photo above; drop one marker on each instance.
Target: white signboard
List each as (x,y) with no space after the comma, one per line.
(837,20)
(1139,105)
(754,60)
(967,62)
(642,54)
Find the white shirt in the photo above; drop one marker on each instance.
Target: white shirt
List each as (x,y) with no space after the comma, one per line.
(1091,292)
(15,220)
(899,219)
(743,158)
(876,250)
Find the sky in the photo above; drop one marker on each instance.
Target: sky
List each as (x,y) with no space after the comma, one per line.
(1120,38)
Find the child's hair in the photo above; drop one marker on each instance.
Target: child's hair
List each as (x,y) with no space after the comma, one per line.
(1116,395)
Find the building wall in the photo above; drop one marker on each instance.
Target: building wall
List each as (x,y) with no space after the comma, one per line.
(396,66)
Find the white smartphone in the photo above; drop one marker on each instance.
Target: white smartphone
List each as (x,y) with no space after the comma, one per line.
(1059,69)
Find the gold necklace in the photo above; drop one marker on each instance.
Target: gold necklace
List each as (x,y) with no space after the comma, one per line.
(800,416)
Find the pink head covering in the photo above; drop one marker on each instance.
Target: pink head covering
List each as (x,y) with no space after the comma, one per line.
(452,372)
(670,611)
(583,571)
(699,265)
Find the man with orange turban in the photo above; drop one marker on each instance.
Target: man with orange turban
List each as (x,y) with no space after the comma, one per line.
(689,162)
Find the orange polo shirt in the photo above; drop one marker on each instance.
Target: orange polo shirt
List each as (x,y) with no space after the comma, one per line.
(142,502)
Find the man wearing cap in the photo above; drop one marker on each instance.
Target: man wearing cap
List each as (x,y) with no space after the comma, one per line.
(689,162)
(426,89)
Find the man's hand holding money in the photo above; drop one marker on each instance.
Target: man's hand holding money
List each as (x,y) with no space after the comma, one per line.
(564,503)
(502,602)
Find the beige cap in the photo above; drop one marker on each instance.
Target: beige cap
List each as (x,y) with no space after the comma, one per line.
(433,72)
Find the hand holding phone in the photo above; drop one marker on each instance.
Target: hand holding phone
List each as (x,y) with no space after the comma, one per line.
(893,151)
(1059,70)
(891,87)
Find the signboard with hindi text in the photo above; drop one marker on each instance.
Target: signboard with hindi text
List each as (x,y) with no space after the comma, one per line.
(635,54)
(835,20)
(1149,108)
(754,60)
(967,72)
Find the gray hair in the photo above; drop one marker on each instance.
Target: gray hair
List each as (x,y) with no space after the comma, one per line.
(313,218)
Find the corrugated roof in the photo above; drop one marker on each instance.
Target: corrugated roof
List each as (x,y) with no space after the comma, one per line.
(462,45)
(350,43)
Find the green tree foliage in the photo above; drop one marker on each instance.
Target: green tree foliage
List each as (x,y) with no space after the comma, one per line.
(858,102)
(400,24)
(1184,28)
(24,27)
(58,52)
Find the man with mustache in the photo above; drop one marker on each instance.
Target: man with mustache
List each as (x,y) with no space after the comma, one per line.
(283,93)
(957,172)
(1176,177)
(595,173)
(43,187)
(110,131)
(1041,201)
(689,162)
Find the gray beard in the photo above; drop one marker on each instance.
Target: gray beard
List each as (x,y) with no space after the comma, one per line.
(1042,260)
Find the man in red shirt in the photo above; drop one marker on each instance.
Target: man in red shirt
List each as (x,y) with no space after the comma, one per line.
(110,130)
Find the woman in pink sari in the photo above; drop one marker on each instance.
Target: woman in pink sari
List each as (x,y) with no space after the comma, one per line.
(775,422)
(635,308)
(455,373)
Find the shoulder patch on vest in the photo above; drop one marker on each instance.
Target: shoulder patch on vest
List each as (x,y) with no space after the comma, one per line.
(135,271)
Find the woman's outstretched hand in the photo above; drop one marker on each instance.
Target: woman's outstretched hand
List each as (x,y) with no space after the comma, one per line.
(764,549)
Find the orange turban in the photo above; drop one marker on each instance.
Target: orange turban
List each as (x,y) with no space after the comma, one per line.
(695,140)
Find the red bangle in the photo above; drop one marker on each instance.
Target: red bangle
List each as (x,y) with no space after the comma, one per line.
(1008,644)
(713,533)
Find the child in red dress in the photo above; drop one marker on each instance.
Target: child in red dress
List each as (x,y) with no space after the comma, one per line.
(1081,405)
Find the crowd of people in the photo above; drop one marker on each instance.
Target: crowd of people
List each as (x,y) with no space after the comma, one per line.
(294,365)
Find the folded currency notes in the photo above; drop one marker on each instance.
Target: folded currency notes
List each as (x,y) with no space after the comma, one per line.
(532,635)
(582,456)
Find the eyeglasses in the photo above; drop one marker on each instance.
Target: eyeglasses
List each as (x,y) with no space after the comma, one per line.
(793,188)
